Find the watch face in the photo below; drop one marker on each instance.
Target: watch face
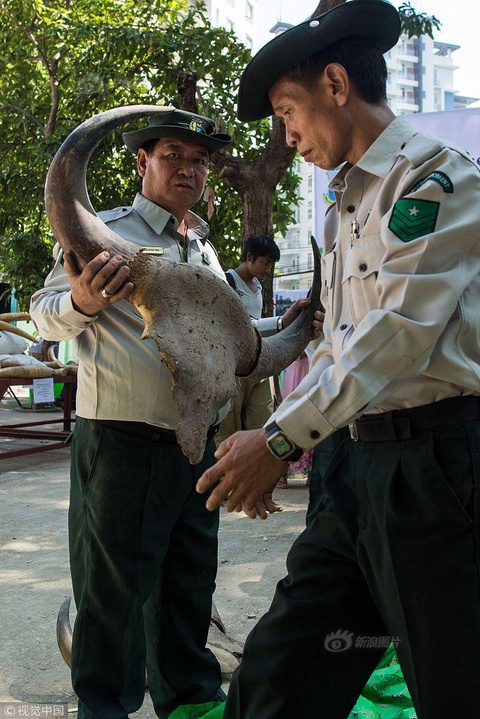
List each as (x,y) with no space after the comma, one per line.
(280,445)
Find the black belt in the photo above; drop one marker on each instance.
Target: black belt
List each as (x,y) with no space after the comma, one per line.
(149,431)
(406,423)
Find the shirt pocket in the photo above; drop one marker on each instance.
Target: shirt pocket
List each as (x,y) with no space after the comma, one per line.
(362,264)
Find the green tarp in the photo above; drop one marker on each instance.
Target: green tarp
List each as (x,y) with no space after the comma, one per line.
(384,697)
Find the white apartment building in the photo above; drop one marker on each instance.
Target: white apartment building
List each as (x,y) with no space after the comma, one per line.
(237,15)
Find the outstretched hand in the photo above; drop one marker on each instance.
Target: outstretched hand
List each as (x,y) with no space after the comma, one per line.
(246,472)
(102,273)
(294,310)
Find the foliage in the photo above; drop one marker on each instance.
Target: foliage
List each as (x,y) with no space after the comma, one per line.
(64,61)
(417,24)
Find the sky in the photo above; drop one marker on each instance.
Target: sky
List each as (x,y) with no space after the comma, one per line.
(459,27)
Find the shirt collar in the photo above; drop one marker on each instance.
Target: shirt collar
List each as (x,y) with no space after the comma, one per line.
(383,153)
(160,219)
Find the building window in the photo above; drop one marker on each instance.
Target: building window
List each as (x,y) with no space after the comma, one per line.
(230,25)
(249,10)
(310,210)
(310,183)
(249,42)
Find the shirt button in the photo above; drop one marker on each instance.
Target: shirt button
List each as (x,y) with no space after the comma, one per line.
(351,208)
(343,327)
(363,266)
(314,434)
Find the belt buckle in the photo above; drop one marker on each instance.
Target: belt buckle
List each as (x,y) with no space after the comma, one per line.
(353,431)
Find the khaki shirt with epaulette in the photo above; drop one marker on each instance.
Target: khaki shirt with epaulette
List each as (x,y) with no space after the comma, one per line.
(121,376)
(401,286)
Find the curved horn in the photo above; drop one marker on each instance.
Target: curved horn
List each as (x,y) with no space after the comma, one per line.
(14,316)
(280,350)
(227,649)
(198,323)
(14,330)
(64,632)
(72,217)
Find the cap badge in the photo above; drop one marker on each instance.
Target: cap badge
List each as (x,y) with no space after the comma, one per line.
(197,126)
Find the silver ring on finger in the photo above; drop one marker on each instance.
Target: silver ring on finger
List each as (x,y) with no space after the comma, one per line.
(106,295)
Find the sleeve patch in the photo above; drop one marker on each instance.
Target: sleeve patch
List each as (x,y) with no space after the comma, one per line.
(412,219)
(443,180)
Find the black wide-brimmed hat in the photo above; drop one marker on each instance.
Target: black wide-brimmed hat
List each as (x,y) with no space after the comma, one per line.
(178,123)
(375,21)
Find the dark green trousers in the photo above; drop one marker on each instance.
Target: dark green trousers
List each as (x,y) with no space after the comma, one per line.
(143,554)
(394,557)
(322,456)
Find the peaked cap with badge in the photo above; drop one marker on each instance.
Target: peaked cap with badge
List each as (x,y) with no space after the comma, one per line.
(376,21)
(178,123)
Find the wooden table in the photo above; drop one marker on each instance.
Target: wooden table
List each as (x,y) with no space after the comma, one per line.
(58,438)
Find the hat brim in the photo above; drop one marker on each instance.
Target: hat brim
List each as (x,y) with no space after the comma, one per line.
(137,138)
(375,21)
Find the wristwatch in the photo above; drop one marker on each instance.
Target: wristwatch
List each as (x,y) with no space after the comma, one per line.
(280,445)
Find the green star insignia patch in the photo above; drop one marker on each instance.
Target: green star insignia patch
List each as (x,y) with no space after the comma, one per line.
(413,218)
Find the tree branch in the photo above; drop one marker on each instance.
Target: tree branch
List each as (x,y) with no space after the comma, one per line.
(23,112)
(51,69)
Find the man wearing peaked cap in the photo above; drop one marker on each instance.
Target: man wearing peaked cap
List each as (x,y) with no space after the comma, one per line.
(143,547)
(395,556)
(181,124)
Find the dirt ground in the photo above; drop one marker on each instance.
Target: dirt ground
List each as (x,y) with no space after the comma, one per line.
(34,571)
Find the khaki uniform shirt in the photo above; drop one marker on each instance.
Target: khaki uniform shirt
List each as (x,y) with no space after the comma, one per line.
(121,376)
(401,286)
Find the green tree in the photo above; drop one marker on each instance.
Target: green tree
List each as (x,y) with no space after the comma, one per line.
(64,61)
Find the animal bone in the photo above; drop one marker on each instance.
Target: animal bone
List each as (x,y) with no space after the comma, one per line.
(228,650)
(24,366)
(5,326)
(36,371)
(198,322)
(14,316)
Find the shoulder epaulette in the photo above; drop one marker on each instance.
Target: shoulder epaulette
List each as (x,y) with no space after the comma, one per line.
(115,214)
(422,148)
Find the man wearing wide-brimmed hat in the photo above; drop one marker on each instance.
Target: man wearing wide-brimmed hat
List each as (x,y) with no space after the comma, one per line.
(395,557)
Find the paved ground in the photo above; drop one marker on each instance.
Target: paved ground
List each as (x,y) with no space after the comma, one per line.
(34,572)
